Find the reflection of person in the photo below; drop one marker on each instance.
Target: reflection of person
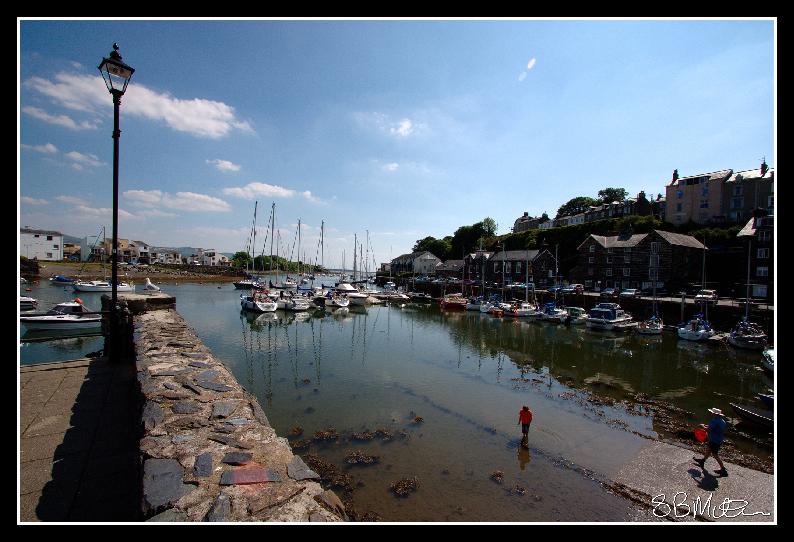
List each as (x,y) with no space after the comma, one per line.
(523,457)
(716,429)
(525,419)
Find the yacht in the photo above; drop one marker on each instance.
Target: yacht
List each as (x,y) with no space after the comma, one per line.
(257,302)
(748,335)
(69,315)
(609,316)
(102,286)
(697,329)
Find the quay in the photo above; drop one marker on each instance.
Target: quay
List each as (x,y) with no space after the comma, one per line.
(165,434)
(170,435)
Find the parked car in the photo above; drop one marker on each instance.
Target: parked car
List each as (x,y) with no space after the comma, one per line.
(573,289)
(708,296)
(609,292)
(553,289)
(630,292)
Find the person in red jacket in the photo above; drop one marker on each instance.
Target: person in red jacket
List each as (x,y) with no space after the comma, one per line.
(525,419)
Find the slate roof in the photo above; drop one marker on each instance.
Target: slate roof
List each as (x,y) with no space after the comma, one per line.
(514,255)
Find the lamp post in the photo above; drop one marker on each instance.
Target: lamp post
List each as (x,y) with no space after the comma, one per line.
(116,75)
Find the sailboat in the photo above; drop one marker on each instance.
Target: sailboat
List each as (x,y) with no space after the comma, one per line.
(698,328)
(249,282)
(746,334)
(653,325)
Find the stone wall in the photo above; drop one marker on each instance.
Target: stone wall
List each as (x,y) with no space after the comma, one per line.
(207,449)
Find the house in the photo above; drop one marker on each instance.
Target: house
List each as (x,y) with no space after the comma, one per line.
(165,255)
(139,252)
(422,263)
(209,256)
(450,268)
(698,198)
(93,249)
(509,266)
(71,251)
(474,265)
(526,222)
(629,260)
(760,231)
(41,244)
(745,191)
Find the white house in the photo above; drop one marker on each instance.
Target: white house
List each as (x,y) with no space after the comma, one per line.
(209,256)
(165,255)
(92,248)
(139,252)
(41,244)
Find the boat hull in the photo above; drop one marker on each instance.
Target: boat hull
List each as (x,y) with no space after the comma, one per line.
(61,322)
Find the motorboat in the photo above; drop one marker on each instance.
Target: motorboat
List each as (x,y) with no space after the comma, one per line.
(453,302)
(610,317)
(748,335)
(768,399)
(297,304)
(757,416)
(473,303)
(523,310)
(61,279)
(102,286)
(423,297)
(27,303)
(68,315)
(554,314)
(336,301)
(576,316)
(651,326)
(257,302)
(247,284)
(769,361)
(697,329)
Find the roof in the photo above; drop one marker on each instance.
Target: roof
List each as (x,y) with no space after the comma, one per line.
(751,174)
(450,265)
(721,174)
(680,239)
(514,255)
(40,232)
(615,241)
(413,256)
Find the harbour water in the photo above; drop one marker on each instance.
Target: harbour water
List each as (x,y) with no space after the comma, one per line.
(448,386)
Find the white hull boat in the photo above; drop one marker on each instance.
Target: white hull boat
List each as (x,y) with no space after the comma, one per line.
(102,286)
(609,317)
(696,329)
(69,315)
(257,303)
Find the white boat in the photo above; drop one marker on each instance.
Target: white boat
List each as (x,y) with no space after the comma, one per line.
(344,287)
(247,284)
(69,315)
(651,326)
(27,303)
(473,303)
(336,301)
(697,329)
(257,302)
(769,361)
(609,316)
(102,286)
(357,298)
(554,314)
(748,335)
(297,304)
(576,316)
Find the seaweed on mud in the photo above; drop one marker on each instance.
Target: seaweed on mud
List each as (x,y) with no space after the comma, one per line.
(404,486)
(385,434)
(328,434)
(364,435)
(296,431)
(357,457)
(300,444)
(329,473)
(497,476)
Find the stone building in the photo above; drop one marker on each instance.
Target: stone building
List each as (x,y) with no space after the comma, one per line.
(697,198)
(745,191)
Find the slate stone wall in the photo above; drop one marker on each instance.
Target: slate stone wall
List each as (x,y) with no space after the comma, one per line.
(208,452)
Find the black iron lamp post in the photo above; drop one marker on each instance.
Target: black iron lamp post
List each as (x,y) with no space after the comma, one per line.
(116,75)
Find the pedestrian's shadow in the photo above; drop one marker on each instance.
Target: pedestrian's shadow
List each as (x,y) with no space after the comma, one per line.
(704,479)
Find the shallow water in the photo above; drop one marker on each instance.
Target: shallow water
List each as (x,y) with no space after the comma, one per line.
(466,375)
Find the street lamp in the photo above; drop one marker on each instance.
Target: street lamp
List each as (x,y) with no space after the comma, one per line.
(116,75)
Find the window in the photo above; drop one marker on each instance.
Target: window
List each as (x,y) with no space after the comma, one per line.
(655,247)
(36,236)
(496,267)
(770,202)
(55,246)
(705,191)
(704,204)
(608,272)
(627,250)
(592,248)
(49,254)
(737,203)
(609,250)
(764,235)
(680,194)
(759,290)
(518,267)
(678,207)
(654,260)
(737,190)
(49,238)
(591,260)
(762,271)
(653,274)
(609,259)
(627,271)
(509,266)
(763,253)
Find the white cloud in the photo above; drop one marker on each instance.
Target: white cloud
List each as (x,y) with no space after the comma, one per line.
(393,166)
(33,201)
(308,195)
(93,213)
(256,189)
(80,159)
(224,165)
(60,120)
(47,148)
(198,117)
(381,122)
(183,201)
(522,76)
(404,128)
(531,63)
(72,200)
(156,213)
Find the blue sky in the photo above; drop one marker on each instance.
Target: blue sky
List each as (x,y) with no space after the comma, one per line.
(402,128)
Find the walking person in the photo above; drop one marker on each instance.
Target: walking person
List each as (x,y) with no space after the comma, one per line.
(525,420)
(716,435)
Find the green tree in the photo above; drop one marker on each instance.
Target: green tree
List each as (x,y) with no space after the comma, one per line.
(441,248)
(489,225)
(608,195)
(240,259)
(576,205)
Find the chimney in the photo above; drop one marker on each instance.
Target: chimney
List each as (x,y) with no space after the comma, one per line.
(675,175)
(764,167)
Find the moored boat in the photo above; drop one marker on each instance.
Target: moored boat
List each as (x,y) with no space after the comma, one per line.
(68,315)
(747,335)
(769,361)
(754,415)
(258,302)
(610,317)
(27,303)
(576,316)
(651,326)
(102,286)
(453,302)
(697,329)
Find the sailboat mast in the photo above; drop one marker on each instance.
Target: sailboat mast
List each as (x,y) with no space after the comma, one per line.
(355,251)
(272,233)
(300,270)
(253,241)
(322,244)
(747,302)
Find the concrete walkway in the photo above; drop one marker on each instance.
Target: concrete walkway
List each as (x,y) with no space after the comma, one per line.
(663,473)
(78,449)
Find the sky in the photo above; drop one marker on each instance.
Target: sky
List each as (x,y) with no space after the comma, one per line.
(391,130)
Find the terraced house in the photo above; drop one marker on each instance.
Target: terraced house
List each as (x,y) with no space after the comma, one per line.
(672,260)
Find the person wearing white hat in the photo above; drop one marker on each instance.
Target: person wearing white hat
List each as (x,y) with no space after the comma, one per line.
(716,429)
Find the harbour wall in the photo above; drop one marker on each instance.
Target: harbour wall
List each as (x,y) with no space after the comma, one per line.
(207,450)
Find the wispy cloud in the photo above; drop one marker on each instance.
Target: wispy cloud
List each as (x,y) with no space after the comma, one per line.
(60,120)
(80,161)
(530,65)
(400,128)
(182,201)
(224,165)
(393,166)
(47,148)
(308,195)
(93,213)
(72,200)
(255,189)
(198,117)
(33,201)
